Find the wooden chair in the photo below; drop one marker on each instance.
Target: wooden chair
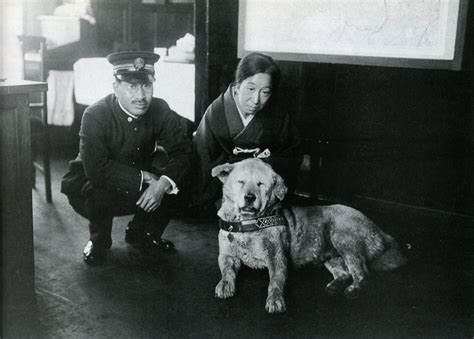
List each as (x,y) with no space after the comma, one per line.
(33,52)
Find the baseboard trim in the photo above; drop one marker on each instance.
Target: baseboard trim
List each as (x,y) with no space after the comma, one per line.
(415,207)
(385,202)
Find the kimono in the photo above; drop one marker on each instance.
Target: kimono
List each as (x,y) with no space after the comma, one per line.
(221,137)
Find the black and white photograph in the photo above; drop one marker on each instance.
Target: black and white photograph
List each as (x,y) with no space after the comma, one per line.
(236,168)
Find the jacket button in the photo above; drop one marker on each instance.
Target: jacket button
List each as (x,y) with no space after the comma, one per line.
(129,119)
(135,129)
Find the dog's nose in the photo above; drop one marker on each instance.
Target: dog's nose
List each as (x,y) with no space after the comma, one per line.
(249,197)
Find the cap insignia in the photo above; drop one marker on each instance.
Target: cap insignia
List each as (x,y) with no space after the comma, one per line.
(139,64)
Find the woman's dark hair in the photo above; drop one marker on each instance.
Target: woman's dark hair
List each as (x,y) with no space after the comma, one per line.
(254,63)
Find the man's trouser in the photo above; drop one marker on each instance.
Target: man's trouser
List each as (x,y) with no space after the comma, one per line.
(101,206)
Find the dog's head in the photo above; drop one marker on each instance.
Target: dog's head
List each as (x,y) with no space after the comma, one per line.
(250,186)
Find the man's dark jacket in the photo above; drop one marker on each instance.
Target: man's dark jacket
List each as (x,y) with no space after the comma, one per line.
(114,148)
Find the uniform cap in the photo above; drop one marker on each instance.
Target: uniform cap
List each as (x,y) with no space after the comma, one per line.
(131,63)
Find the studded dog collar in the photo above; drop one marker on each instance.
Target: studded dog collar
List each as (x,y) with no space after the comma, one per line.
(253,224)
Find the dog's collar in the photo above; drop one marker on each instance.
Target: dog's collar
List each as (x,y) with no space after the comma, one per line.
(253,224)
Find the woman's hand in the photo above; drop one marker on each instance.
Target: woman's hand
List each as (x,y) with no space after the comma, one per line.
(151,198)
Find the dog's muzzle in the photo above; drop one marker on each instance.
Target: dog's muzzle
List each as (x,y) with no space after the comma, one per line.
(249,204)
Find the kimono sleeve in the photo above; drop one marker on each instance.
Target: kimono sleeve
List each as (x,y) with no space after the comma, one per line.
(177,145)
(210,153)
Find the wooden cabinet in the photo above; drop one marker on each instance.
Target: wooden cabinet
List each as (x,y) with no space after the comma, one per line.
(138,24)
(18,283)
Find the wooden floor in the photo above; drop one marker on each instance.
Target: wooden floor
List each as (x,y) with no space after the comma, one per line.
(172,295)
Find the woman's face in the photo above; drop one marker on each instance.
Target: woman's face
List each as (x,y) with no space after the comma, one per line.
(253,93)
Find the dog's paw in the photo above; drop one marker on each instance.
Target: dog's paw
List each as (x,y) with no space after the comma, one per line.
(275,305)
(225,289)
(353,292)
(338,285)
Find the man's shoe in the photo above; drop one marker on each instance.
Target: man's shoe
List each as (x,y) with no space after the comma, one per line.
(93,254)
(152,242)
(133,235)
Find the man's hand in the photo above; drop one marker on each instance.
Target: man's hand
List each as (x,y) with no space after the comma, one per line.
(151,198)
(148,177)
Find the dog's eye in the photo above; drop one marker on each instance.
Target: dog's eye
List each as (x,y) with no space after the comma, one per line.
(260,184)
(240,182)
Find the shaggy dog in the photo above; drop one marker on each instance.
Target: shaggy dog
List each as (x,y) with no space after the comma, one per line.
(260,232)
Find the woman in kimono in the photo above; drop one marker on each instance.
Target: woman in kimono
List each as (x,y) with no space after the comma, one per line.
(244,122)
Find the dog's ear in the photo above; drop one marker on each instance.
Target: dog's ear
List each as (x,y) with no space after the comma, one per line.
(222,171)
(279,189)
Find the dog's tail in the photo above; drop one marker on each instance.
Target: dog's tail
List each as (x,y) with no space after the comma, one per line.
(391,259)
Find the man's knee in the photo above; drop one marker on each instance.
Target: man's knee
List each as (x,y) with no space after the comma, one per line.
(97,203)
(78,204)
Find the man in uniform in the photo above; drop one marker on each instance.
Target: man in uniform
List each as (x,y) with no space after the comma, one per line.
(116,171)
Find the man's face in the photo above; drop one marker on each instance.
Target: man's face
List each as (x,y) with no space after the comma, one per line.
(134,97)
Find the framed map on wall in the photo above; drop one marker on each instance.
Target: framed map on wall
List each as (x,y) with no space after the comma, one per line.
(403,33)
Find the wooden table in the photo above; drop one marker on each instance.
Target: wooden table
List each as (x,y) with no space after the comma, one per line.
(19,317)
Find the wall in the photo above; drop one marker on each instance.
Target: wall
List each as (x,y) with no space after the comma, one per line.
(393,134)
(11,18)
(386,134)
(216,49)
(35,8)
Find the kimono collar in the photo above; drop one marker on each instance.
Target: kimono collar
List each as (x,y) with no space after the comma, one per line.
(233,118)
(232,114)
(245,120)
